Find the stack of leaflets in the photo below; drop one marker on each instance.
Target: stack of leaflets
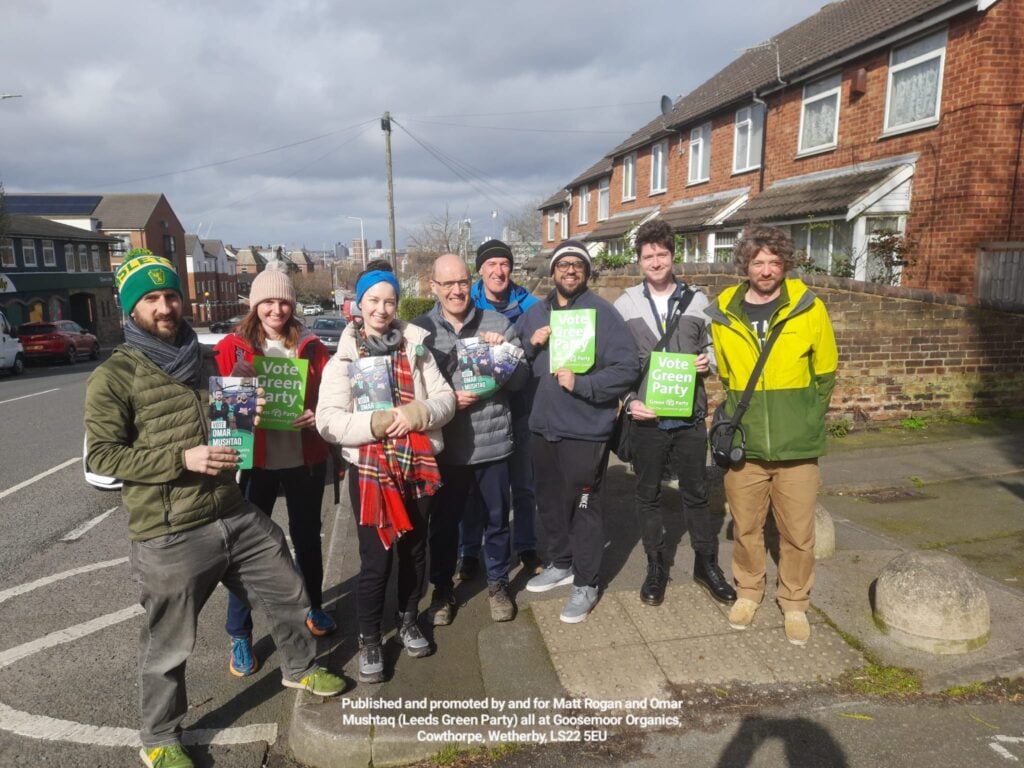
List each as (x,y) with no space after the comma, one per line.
(232,413)
(483,368)
(371,383)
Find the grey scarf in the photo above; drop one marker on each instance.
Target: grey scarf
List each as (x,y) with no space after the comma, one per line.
(181,360)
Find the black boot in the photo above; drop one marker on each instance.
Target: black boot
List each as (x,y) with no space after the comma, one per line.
(653,590)
(707,573)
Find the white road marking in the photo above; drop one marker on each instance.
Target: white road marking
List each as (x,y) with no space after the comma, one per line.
(67,635)
(21,589)
(84,528)
(1002,751)
(34,394)
(39,477)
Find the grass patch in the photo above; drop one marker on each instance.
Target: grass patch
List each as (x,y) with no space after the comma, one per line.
(839,427)
(913,423)
(449,754)
(965,691)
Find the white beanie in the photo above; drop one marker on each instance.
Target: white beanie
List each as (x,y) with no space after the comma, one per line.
(271,283)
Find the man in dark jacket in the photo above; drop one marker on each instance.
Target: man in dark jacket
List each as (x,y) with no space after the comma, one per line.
(146,423)
(572,418)
(676,443)
(497,291)
(477,442)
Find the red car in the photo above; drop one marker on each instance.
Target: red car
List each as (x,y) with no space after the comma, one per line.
(60,339)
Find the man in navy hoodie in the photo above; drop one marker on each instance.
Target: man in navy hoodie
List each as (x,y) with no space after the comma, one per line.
(571,421)
(496,291)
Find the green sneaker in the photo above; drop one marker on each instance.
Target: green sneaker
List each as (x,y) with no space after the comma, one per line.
(319,682)
(171,756)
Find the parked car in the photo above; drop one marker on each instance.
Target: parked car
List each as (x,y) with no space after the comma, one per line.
(225,326)
(57,340)
(328,330)
(12,356)
(312,309)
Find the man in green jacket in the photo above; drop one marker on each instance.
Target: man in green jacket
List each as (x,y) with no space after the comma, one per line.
(784,426)
(146,422)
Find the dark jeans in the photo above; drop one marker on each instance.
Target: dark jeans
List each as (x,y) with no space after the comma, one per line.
(304,495)
(684,450)
(568,475)
(375,562)
(479,493)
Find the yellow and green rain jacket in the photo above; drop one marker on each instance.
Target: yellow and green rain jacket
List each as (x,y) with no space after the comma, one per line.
(786,417)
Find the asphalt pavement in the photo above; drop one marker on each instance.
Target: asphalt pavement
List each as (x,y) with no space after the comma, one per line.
(675,684)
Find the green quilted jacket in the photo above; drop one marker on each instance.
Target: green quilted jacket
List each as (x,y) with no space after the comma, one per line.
(138,421)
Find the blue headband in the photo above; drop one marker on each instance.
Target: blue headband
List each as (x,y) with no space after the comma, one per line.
(370,279)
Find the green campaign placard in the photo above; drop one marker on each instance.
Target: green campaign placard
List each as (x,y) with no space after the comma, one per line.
(284,384)
(573,333)
(671,382)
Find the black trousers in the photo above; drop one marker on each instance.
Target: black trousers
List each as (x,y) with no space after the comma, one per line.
(683,450)
(567,477)
(375,562)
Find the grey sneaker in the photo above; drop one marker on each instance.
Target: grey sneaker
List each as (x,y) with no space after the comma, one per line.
(579,605)
(502,607)
(550,578)
(371,660)
(442,607)
(409,635)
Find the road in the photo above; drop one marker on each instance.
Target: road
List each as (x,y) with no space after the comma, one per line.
(68,672)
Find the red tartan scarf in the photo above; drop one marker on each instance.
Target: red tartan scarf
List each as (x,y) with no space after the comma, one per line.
(391,470)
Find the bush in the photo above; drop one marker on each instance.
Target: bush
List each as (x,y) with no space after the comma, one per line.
(412,307)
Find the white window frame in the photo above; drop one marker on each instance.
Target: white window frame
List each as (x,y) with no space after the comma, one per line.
(894,69)
(832,224)
(551,225)
(700,154)
(584,215)
(834,92)
(629,177)
(28,253)
(564,230)
(83,258)
(49,255)
(7,253)
(95,252)
(721,250)
(69,257)
(749,120)
(603,195)
(659,167)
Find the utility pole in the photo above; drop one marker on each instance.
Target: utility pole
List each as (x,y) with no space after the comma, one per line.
(385,125)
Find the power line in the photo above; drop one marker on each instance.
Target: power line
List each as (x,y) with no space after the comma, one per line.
(520,130)
(544,111)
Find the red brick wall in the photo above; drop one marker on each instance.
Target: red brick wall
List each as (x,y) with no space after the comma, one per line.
(902,351)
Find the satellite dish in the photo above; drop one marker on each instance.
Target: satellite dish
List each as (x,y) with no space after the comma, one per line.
(666,105)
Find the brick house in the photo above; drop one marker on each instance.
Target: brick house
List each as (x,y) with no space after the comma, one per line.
(211,280)
(868,117)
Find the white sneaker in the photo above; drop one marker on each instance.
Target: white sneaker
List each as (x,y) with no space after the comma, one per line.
(550,578)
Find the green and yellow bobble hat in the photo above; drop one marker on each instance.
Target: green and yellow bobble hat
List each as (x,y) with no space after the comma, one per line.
(142,272)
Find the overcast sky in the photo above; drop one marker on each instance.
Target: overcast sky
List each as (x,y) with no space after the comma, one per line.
(260,121)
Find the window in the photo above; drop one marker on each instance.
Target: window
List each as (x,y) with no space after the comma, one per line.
(629,177)
(659,167)
(747,144)
(552,218)
(914,90)
(49,257)
(7,253)
(95,258)
(700,153)
(602,198)
(688,248)
(28,253)
(827,245)
(724,243)
(584,216)
(83,259)
(564,233)
(69,257)
(819,117)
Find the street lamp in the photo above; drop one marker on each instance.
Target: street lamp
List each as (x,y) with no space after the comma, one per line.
(362,238)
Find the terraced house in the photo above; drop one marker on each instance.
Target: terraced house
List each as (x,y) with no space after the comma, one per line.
(875,131)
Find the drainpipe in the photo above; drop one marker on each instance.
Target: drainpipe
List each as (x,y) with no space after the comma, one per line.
(764,141)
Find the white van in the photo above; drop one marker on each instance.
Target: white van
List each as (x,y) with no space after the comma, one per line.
(12,356)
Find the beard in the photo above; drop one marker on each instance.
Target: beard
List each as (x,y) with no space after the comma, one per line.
(569,294)
(154,329)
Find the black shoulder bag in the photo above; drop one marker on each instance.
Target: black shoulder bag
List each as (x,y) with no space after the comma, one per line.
(623,439)
(724,429)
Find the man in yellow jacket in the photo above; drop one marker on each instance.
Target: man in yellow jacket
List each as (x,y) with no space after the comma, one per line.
(784,426)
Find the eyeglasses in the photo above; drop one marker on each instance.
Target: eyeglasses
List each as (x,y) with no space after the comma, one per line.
(566,266)
(450,285)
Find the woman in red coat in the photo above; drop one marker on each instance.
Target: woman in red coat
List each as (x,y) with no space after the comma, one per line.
(295,461)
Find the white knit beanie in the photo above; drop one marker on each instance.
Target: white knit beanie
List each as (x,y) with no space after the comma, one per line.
(271,283)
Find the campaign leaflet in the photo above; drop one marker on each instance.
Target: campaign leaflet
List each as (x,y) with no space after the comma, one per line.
(573,333)
(371,383)
(284,385)
(232,413)
(483,368)
(671,381)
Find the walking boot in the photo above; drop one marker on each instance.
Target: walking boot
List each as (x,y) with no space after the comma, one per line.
(410,635)
(707,573)
(371,659)
(653,590)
